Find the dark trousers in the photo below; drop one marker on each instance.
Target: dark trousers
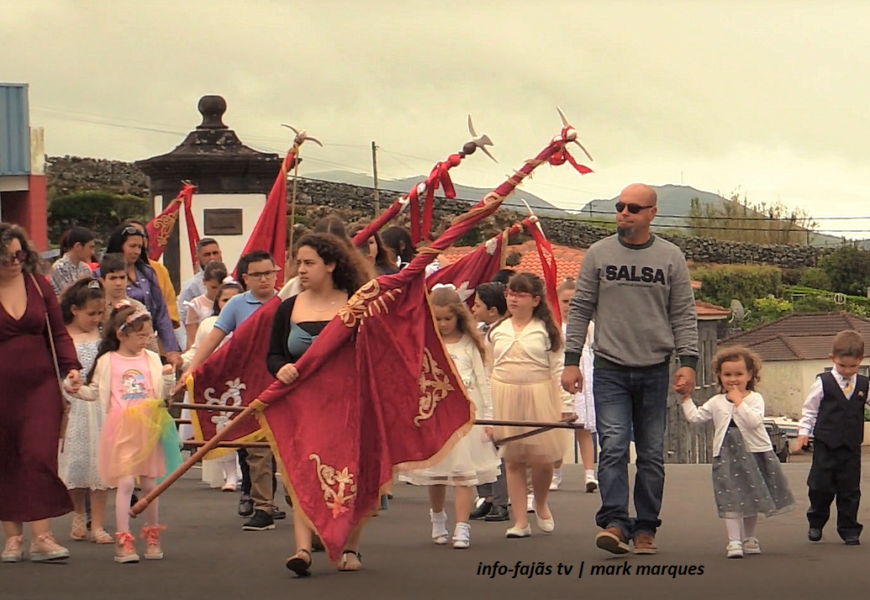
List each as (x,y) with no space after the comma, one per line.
(836,472)
(246,472)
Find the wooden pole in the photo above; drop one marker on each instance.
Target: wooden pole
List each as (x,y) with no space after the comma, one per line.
(375,173)
(293,199)
(207,447)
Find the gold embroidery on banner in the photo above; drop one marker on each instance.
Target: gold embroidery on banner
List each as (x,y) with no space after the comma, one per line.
(434,387)
(366,300)
(336,499)
(164,226)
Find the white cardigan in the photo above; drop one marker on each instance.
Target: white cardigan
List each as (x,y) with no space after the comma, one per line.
(100,387)
(535,341)
(749,417)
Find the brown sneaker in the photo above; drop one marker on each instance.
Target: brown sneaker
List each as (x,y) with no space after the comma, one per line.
(151,535)
(45,549)
(612,540)
(125,551)
(645,543)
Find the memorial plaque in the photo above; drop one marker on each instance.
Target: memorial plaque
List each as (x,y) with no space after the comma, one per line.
(222,221)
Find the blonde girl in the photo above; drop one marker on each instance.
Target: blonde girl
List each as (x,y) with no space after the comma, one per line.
(474,460)
(139,438)
(82,305)
(527,366)
(747,477)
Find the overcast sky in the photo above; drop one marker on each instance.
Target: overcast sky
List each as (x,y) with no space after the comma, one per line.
(769,96)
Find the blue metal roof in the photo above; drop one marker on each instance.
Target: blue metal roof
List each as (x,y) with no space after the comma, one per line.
(14,129)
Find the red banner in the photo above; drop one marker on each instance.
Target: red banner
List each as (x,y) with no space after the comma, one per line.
(160,228)
(548,266)
(475,267)
(233,376)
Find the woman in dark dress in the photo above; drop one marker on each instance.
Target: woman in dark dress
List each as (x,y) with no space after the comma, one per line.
(31,406)
(329,271)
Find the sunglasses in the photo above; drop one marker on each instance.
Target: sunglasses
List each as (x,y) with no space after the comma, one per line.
(632,208)
(130,230)
(20,256)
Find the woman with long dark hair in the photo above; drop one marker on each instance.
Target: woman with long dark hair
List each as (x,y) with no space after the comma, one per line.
(377,253)
(330,271)
(35,349)
(142,285)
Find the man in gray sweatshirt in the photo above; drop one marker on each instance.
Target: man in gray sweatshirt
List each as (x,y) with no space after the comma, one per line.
(637,287)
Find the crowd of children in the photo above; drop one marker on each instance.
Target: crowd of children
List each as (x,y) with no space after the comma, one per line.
(508,351)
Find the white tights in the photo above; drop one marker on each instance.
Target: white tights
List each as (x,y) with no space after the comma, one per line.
(124,494)
(741,529)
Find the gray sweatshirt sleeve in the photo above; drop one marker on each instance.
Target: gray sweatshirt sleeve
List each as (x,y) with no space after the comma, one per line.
(582,308)
(684,318)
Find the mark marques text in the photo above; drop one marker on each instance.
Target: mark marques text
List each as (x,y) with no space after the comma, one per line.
(542,569)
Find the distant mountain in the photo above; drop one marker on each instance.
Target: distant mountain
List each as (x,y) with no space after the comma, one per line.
(463,192)
(675,202)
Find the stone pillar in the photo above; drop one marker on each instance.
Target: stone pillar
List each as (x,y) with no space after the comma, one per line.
(232,183)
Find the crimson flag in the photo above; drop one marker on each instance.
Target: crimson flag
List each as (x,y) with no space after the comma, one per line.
(160,227)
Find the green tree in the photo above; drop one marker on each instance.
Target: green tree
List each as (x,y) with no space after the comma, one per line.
(739,220)
(100,212)
(848,268)
(722,284)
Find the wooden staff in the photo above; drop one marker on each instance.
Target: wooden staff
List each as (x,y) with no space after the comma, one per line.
(207,447)
(563,424)
(196,444)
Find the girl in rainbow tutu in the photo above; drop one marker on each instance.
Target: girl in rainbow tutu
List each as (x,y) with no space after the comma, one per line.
(139,437)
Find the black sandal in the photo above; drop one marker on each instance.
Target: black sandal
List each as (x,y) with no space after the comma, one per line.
(344,561)
(299,566)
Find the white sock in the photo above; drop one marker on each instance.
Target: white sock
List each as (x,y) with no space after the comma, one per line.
(557,474)
(590,473)
(735,530)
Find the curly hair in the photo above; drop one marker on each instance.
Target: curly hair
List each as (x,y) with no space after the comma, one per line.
(735,354)
(351,271)
(9,232)
(447,297)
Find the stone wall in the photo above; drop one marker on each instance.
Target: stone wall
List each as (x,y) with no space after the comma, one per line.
(354,203)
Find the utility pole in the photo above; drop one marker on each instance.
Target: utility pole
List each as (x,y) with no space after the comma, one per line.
(375,172)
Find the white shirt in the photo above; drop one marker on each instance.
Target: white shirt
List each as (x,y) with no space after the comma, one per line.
(749,417)
(814,398)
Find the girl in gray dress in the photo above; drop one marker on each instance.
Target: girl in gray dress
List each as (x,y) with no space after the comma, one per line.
(747,478)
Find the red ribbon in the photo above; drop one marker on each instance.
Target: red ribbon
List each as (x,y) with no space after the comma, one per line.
(548,267)
(439,177)
(562,156)
(192,232)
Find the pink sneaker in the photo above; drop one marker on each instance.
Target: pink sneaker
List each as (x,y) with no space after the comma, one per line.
(12,552)
(151,535)
(45,549)
(125,551)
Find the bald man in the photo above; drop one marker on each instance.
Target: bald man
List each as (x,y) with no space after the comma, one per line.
(638,288)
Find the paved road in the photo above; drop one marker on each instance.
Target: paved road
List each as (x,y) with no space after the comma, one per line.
(209,556)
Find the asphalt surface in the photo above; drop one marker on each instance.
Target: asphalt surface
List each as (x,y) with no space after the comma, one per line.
(209,556)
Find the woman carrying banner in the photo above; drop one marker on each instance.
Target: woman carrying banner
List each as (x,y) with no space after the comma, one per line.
(329,272)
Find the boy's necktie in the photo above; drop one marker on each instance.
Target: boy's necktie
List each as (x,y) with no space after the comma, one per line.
(848,389)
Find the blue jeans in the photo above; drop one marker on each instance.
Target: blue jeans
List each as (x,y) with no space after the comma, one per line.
(625,401)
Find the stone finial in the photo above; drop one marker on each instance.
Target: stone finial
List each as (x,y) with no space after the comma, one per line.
(212,109)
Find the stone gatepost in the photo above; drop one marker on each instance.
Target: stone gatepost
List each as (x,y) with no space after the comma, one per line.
(232,183)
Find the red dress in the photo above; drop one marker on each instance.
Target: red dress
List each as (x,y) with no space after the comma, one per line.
(31,408)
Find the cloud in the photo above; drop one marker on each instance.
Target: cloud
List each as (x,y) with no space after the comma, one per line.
(654,87)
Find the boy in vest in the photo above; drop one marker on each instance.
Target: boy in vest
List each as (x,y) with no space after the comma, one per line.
(834,413)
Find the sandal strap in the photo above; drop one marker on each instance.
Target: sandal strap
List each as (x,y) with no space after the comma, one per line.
(357,554)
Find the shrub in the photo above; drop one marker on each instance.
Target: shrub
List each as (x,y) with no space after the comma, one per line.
(816,278)
(722,284)
(765,310)
(848,269)
(792,276)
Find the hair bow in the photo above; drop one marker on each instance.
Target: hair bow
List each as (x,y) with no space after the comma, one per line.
(449,286)
(229,279)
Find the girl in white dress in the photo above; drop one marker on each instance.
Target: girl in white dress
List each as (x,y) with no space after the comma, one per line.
(584,403)
(473,460)
(83,306)
(527,367)
(202,307)
(222,472)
